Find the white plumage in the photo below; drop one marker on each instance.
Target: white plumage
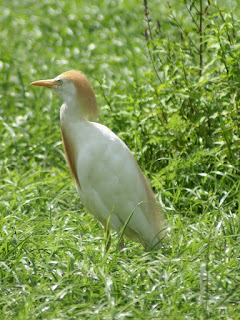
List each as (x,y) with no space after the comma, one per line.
(109,181)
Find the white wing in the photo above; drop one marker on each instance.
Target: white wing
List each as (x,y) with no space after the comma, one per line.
(111,183)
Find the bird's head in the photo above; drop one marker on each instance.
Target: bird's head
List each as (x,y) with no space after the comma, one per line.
(73,87)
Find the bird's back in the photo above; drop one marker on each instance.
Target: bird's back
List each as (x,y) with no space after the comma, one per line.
(111,183)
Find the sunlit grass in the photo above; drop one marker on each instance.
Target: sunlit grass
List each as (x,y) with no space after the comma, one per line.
(52,259)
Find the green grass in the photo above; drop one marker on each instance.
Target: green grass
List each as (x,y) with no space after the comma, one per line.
(183,128)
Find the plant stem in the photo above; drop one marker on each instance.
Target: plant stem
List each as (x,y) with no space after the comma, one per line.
(201,38)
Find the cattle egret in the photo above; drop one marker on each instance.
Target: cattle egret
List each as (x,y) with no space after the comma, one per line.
(109,181)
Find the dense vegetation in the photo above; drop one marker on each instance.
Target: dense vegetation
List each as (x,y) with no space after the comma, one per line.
(166,77)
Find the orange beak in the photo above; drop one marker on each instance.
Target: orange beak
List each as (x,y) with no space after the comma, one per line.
(46,83)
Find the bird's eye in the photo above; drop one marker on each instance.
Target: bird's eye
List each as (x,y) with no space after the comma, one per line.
(60,81)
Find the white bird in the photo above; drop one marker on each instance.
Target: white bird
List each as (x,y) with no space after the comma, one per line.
(109,181)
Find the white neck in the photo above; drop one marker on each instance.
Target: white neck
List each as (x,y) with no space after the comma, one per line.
(71,113)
